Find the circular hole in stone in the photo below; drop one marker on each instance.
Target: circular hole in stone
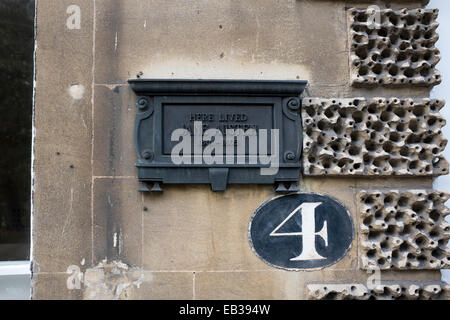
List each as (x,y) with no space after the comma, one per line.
(363,71)
(377,69)
(425,72)
(393,70)
(409,72)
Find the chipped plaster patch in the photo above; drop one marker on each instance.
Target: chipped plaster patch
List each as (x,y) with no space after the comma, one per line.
(77,91)
(113,281)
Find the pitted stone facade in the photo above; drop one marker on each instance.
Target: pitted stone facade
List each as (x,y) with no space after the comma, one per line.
(404,229)
(387,291)
(375,136)
(394,47)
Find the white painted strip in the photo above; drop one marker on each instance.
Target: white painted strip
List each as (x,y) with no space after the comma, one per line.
(33,136)
(14,268)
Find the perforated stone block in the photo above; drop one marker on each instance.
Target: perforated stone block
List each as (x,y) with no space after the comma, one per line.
(394,47)
(386,291)
(377,136)
(404,229)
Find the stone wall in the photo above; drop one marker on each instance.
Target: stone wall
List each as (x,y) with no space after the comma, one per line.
(90,221)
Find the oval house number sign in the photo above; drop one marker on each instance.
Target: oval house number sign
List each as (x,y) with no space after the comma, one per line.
(301,231)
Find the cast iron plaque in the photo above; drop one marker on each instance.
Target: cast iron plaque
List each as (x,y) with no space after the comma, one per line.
(169,105)
(301,231)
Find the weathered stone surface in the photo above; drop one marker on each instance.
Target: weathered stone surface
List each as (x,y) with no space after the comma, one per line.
(264,285)
(117,221)
(116,280)
(114,112)
(62,222)
(364,183)
(387,291)
(166,286)
(62,225)
(375,136)
(267,284)
(404,229)
(53,286)
(256,39)
(394,47)
(190,228)
(112,281)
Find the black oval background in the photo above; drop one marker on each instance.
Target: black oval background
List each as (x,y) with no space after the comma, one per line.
(278,251)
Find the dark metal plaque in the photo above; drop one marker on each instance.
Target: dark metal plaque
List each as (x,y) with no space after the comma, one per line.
(169,105)
(301,231)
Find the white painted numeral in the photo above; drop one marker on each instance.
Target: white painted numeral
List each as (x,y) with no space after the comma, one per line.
(308,233)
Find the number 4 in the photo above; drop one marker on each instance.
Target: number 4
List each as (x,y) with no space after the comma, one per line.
(308,212)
